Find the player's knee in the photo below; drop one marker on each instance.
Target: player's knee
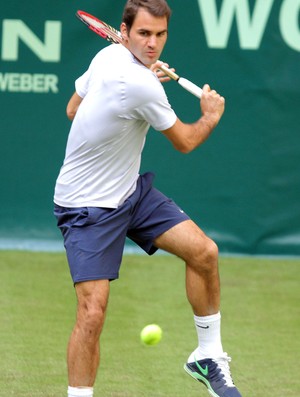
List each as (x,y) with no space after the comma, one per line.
(211,251)
(206,255)
(91,318)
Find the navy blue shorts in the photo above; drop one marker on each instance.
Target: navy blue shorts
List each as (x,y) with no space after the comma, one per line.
(94,237)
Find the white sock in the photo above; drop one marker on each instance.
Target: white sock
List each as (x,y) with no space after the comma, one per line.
(209,338)
(80,391)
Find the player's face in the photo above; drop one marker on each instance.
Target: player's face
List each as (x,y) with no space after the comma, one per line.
(147,36)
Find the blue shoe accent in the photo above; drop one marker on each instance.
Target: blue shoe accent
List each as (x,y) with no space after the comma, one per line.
(214,373)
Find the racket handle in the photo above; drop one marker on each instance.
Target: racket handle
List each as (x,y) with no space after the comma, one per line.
(169,72)
(191,87)
(188,85)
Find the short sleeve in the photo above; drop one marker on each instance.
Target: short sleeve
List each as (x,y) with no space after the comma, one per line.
(151,103)
(82,83)
(158,114)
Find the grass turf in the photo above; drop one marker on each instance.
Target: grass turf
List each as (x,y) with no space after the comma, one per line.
(260,327)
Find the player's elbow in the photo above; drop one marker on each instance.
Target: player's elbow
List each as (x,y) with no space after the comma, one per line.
(181,136)
(73,106)
(183,147)
(70,113)
(190,142)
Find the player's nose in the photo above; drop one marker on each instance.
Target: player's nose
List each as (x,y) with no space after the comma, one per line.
(152,41)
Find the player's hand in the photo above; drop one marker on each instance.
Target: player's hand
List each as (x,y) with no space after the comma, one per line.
(163,78)
(212,105)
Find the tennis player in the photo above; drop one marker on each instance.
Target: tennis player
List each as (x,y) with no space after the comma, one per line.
(100,197)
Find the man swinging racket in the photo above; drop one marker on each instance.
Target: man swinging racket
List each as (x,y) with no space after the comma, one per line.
(100,197)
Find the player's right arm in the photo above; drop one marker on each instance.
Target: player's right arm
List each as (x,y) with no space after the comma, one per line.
(186,137)
(73,106)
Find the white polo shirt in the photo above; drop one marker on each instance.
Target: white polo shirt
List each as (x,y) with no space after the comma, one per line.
(121,99)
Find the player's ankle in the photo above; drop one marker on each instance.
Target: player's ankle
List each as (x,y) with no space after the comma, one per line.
(80,391)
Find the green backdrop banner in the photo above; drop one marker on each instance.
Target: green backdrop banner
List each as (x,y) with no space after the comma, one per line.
(242,186)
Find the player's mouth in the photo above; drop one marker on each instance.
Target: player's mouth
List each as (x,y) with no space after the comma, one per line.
(152,54)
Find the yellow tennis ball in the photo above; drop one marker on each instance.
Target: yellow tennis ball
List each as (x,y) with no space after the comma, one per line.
(151,334)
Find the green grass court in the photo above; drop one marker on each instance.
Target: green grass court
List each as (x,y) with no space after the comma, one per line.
(260,318)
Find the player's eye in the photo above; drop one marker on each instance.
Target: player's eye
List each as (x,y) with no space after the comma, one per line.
(162,34)
(144,33)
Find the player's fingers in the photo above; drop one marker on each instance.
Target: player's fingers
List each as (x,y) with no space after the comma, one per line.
(156,65)
(206,88)
(164,79)
(164,63)
(212,93)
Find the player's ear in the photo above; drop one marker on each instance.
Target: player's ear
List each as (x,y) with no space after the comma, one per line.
(124,32)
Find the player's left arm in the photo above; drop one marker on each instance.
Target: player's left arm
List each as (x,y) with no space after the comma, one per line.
(73,106)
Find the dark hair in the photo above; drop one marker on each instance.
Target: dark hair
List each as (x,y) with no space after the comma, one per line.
(157,8)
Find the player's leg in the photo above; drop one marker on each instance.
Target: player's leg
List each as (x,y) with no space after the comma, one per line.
(83,349)
(200,253)
(208,363)
(187,241)
(157,222)
(94,240)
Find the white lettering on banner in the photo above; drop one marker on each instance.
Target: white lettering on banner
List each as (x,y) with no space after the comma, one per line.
(25,82)
(250,29)
(14,30)
(289,25)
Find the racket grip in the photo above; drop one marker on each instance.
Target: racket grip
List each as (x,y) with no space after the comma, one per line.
(191,87)
(169,72)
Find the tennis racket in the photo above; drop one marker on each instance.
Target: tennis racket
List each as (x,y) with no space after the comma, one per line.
(114,36)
